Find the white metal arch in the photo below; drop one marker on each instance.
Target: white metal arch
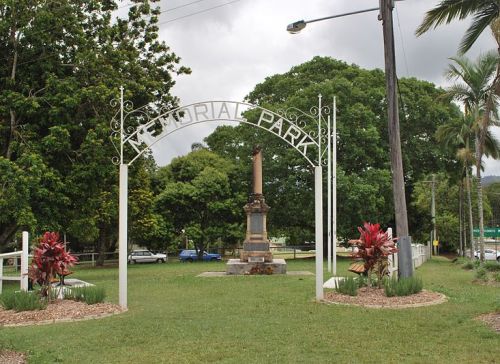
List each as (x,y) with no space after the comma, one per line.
(289,126)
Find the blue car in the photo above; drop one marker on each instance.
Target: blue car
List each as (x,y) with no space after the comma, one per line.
(191,256)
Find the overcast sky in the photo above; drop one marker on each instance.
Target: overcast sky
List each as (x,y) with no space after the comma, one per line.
(233,47)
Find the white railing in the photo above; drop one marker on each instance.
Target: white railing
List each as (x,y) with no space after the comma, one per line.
(23,274)
(419,255)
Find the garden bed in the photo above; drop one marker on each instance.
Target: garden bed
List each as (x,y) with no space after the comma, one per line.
(492,320)
(376,298)
(12,357)
(58,311)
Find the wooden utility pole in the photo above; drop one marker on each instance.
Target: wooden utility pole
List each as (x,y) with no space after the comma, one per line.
(398,186)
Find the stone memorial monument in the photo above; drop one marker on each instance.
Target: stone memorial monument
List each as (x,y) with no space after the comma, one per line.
(256,256)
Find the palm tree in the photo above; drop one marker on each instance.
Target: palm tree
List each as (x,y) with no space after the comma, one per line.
(474,89)
(485,14)
(458,136)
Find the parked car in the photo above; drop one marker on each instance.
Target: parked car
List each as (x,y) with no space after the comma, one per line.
(489,254)
(191,256)
(145,256)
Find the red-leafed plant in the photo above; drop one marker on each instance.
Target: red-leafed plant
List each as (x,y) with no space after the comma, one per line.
(373,247)
(50,259)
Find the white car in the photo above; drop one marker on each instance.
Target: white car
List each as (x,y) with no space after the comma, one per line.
(145,256)
(489,254)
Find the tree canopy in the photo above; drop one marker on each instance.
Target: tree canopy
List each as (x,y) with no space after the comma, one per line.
(62,64)
(363,171)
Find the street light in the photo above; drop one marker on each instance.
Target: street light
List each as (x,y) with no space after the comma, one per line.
(398,188)
(296,27)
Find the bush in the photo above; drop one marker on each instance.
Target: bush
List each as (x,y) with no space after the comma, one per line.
(481,274)
(22,301)
(496,277)
(492,266)
(403,286)
(469,265)
(348,286)
(89,294)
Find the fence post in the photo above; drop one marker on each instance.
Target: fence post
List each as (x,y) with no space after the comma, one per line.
(24,262)
(1,274)
(93,263)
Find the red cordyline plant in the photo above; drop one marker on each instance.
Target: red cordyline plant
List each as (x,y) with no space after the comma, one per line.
(50,259)
(373,247)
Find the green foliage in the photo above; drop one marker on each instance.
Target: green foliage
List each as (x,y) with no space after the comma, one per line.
(447,218)
(468,265)
(402,286)
(484,14)
(481,274)
(348,286)
(491,266)
(62,62)
(88,294)
(201,196)
(496,277)
(22,301)
(363,173)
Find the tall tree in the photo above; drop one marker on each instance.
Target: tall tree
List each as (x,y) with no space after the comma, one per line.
(486,14)
(363,171)
(473,88)
(62,62)
(201,197)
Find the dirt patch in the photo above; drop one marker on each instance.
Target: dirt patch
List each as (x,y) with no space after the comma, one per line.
(59,311)
(376,298)
(492,320)
(12,357)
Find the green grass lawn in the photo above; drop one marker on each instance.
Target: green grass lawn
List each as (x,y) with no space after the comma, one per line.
(176,317)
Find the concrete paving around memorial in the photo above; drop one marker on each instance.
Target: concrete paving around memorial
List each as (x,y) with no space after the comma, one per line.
(224,274)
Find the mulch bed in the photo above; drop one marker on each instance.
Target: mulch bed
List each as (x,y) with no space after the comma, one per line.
(376,298)
(59,311)
(492,320)
(12,357)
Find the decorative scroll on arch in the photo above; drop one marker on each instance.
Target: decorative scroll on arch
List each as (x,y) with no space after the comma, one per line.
(289,125)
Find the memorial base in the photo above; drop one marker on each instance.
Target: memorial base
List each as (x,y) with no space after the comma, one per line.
(237,267)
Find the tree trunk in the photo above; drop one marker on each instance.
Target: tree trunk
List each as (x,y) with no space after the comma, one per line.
(469,202)
(480,196)
(6,234)
(101,248)
(460,214)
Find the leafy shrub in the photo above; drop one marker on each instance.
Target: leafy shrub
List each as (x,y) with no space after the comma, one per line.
(21,301)
(492,266)
(468,265)
(348,286)
(50,258)
(403,286)
(481,274)
(496,277)
(373,247)
(365,281)
(88,294)
(477,263)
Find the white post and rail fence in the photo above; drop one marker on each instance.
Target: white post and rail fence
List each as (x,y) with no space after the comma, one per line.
(22,276)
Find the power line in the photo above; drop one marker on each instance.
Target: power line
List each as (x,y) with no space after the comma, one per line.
(402,43)
(198,12)
(160,23)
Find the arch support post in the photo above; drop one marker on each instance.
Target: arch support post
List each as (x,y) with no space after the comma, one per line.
(122,235)
(318,214)
(24,262)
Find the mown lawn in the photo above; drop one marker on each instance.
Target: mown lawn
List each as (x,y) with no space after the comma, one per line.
(176,317)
